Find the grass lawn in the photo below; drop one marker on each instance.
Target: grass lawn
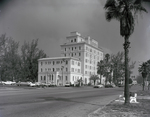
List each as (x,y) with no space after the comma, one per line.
(118,109)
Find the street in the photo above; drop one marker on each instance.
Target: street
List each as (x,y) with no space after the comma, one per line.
(54,101)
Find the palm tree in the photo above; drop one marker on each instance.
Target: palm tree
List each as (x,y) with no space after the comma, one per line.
(100,69)
(107,67)
(148,77)
(124,11)
(143,69)
(94,78)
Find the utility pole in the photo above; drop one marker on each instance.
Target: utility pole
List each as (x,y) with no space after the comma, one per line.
(62,74)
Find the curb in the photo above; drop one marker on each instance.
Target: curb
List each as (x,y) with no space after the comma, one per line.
(95,113)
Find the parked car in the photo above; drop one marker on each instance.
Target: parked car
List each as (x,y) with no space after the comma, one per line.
(113,85)
(8,83)
(67,85)
(32,84)
(47,84)
(98,86)
(38,84)
(120,85)
(108,86)
(23,83)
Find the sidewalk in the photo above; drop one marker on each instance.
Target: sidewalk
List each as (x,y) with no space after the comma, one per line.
(118,109)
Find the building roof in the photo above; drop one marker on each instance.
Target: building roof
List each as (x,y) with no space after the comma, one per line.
(58,58)
(82,43)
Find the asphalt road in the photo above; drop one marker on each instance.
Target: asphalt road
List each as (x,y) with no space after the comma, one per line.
(54,102)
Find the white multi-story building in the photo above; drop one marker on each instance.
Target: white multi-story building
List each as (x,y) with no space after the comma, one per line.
(59,70)
(84,51)
(87,50)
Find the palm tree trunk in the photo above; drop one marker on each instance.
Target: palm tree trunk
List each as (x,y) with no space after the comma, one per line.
(143,84)
(100,78)
(126,88)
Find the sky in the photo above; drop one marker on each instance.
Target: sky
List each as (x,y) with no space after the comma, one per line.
(51,21)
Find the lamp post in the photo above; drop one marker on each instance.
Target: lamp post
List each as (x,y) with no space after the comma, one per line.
(63,60)
(62,74)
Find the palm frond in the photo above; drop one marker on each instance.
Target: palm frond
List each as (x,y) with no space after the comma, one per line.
(137,6)
(109,3)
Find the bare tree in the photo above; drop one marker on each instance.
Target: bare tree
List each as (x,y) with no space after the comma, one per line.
(30,54)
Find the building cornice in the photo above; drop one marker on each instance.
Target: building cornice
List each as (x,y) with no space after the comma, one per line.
(58,58)
(81,44)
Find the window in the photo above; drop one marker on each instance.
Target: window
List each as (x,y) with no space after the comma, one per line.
(45,69)
(75,48)
(78,70)
(72,54)
(66,78)
(41,69)
(66,69)
(72,69)
(57,69)
(41,63)
(86,66)
(90,56)
(53,69)
(44,77)
(66,62)
(73,78)
(75,54)
(72,48)
(85,72)
(79,54)
(64,54)
(75,40)
(72,62)
(53,62)
(57,62)
(52,77)
(79,47)
(78,63)
(65,49)
(45,62)
(41,77)
(71,40)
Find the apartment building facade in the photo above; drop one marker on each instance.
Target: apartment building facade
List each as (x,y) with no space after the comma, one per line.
(59,70)
(84,51)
